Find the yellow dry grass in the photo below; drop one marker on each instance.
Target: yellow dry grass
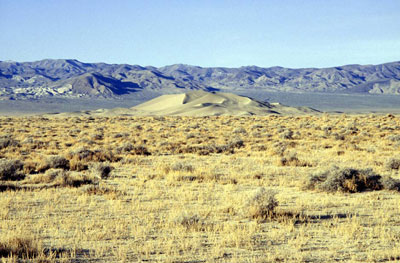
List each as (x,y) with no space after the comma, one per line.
(180,188)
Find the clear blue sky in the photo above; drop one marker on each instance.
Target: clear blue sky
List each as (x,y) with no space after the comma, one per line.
(289,33)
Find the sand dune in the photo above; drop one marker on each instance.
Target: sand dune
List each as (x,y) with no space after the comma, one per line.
(201,103)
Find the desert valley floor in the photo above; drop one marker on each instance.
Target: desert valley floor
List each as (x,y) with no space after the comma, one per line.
(313,188)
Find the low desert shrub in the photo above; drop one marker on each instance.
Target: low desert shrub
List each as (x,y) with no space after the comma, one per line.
(20,247)
(61,178)
(7,142)
(189,221)
(28,249)
(207,149)
(46,177)
(351,130)
(140,150)
(262,205)
(73,179)
(228,148)
(121,135)
(97,136)
(78,165)
(390,183)
(58,162)
(339,137)
(348,180)
(287,134)
(125,148)
(102,190)
(279,148)
(137,127)
(97,155)
(393,164)
(80,158)
(258,147)
(239,130)
(101,170)
(236,143)
(190,136)
(292,160)
(7,186)
(181,167)
(30,167)
(256,126)
(394,138)
(10,170)
(54,162)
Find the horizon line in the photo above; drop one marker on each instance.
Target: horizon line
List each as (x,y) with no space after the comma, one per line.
(192,65)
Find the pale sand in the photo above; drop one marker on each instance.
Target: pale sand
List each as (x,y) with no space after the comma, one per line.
(201,103)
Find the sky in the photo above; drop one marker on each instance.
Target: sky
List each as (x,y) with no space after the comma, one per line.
(207,33)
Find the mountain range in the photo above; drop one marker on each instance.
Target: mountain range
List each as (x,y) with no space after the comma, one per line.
(72,79)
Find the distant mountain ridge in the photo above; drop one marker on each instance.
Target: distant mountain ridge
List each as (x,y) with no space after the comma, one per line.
(71,78)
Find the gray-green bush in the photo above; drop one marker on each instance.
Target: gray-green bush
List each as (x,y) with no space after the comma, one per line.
(10,170)
(350,180)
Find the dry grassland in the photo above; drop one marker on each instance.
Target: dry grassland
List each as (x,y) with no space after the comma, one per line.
(206,189)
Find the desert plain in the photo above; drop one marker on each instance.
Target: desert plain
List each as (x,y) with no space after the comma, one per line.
(313,187)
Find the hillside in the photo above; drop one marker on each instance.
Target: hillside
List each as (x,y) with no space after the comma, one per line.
(72,78)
